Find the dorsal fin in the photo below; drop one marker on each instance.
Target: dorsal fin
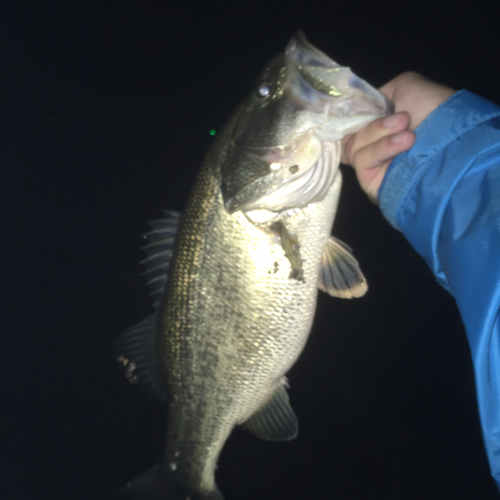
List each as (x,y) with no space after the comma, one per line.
(135,348)
(158,248)
(135,351)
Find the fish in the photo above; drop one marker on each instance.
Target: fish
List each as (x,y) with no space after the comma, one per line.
(235,277)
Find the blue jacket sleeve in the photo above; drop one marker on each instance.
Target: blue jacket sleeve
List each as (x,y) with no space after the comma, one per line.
(444,195)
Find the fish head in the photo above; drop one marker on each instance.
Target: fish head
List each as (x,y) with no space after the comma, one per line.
(283,151)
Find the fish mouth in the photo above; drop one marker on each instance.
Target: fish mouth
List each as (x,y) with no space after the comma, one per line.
(318,83)
(300,176)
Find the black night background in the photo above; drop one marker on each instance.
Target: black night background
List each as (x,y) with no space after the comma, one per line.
(105,112)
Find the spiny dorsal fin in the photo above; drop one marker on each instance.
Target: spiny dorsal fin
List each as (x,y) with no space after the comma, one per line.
(158,248)
(275,421)
(340,275)
(135,348)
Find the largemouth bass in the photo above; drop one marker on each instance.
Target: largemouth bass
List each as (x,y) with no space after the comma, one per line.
(244,263)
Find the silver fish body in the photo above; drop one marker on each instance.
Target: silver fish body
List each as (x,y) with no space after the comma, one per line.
(252,248)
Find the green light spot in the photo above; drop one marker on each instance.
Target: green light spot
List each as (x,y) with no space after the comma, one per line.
(212,131)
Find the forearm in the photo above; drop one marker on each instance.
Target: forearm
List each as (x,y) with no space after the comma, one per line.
(444,195)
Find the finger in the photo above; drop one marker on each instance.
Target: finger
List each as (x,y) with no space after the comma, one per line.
(372,133)
(393,87)
(371,162)
(417,94)
(386,148)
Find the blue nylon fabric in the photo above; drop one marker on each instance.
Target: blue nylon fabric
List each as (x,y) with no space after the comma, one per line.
(444,195)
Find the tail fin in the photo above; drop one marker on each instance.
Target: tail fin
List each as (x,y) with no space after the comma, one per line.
(153,485)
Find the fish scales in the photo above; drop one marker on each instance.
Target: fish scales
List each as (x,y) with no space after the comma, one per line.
(228,376)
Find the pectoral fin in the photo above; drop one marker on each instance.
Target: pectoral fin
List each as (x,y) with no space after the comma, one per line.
(275,421)
(340,274)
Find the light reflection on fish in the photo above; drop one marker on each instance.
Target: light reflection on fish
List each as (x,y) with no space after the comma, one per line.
(244,263)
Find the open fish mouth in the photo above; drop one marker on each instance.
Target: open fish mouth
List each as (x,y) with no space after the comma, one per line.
(318,83)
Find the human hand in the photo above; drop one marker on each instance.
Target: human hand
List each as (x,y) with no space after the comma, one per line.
(371,150)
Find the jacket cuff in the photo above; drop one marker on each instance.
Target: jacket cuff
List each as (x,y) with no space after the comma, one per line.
(454,117)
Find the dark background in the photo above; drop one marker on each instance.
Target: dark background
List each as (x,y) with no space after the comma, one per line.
(105,112)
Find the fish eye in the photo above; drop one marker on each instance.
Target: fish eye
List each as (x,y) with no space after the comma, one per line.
(264,90)
(294,169)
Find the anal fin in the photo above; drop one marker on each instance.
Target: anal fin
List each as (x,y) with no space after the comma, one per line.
(275,421)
